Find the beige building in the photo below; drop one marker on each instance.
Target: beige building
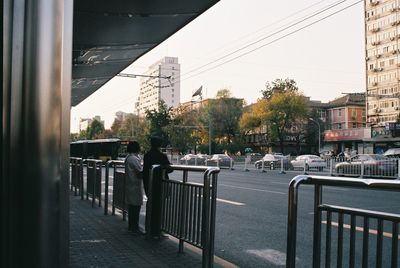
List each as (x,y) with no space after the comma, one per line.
(154,86)
(382,39)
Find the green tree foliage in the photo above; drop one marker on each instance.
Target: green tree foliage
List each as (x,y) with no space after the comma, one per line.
(159,120)
(183,131)
(279,86)
(222,114)
(281,112)
(95,129)
(285,110)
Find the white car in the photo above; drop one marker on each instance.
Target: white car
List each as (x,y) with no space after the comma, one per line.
(309,161)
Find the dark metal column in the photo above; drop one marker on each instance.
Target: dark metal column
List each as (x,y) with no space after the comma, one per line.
(37,38)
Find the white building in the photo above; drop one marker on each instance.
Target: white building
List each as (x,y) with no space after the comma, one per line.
(162,83)
(382,26)
(121,116)
(84,123)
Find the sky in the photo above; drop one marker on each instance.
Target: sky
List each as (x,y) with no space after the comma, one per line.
(242,44)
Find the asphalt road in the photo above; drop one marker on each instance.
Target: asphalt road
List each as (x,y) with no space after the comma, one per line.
(251,220)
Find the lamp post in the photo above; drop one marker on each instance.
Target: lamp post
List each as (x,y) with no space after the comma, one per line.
(319,134)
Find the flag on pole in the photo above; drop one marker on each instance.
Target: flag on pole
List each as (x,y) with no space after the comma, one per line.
(198,92)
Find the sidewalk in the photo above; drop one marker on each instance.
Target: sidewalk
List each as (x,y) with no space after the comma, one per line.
(98,240)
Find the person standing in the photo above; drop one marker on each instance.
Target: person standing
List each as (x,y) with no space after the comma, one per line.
(154,157)
(133,185)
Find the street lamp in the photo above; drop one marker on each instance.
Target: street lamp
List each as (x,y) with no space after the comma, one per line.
(319,134)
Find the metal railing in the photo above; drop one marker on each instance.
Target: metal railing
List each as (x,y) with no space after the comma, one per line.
(188,209)
(76,183)
(93,179)
(118,186)
(354,213)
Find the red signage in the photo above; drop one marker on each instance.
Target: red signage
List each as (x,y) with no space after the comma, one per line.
(347,134)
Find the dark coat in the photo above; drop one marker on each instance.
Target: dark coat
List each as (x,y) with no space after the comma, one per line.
(154,157)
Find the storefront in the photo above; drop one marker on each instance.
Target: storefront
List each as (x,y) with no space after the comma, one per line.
(341,140)
(383,138)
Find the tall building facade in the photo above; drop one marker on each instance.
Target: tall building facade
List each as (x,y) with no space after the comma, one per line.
(160,82)
(382,38)
(84,123)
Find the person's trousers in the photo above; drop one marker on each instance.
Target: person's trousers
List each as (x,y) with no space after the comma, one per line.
(133,217)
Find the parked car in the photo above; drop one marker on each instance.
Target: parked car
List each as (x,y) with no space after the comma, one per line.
(392,153)
(221,160)
(309,161)
(374,165)
(193,159)
(272,161)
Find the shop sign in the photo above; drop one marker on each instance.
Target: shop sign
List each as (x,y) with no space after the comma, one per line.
(394,126)
(347,134)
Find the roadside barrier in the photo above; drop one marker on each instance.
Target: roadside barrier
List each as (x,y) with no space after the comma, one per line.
(188,209)
(93,181)
(368,217)
(118,186)
(76,175)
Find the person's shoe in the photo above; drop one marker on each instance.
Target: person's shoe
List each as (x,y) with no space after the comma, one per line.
(137,232)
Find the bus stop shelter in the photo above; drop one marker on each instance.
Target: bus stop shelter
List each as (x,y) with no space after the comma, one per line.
(56,54)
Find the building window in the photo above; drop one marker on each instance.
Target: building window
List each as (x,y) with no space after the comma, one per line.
(354,125)
(340,112)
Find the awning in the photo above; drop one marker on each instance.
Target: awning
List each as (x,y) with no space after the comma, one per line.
(109,35)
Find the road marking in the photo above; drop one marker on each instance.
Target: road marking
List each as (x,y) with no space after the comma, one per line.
(230,202)
(361,229)
(252,189)
(271,255)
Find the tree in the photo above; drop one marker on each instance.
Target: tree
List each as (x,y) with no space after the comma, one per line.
(183,130)
(159,120)
(279,86)
(95,129)
(222,114)
(284,110)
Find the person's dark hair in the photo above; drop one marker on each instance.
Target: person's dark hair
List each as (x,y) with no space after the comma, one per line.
(133,147)
(156,142)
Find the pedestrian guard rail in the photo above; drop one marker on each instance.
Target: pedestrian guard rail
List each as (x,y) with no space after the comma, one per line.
(188,208)
(332,166)
(347,217)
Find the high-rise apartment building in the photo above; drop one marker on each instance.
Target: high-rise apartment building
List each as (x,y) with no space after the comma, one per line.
(382,39)
(161,82)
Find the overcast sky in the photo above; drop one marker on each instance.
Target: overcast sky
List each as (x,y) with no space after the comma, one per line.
(326,59)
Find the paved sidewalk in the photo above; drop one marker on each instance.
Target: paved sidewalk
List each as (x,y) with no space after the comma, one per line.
(98,240)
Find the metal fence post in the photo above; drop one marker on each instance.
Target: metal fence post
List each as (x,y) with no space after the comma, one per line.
(282,168)
(362,169)
(331,167)
(81,180)
(107,177)
(398,168)
(262,166)
(231,164)
(182,213)
(317,226)
(206,223)
(305,167)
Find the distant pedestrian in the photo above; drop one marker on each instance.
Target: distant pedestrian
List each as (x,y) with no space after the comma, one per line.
(133,185)
(154,157)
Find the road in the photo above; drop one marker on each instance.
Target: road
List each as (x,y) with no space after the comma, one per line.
(251,218)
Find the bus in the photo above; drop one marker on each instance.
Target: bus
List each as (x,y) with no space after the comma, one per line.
(103,149)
